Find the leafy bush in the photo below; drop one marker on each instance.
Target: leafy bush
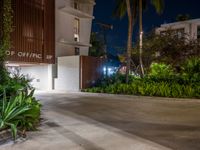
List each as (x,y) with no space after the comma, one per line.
(167,47)
(161,81)
(19,112)
(151,88)
(161,70)
(15,83)
(191,69)
(116,78)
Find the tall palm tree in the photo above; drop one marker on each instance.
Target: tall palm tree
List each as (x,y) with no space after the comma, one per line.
(122,8)
(132,8)
(159,5)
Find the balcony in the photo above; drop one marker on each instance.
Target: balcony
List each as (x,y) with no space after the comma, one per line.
(73,43)
(81,9)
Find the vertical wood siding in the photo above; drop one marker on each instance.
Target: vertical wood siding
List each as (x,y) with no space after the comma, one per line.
(33,37)
(91,69)
(49,29)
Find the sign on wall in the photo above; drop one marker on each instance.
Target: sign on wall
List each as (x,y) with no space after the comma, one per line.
(33,37)
(28,55)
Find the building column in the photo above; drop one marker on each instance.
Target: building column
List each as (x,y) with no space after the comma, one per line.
(50,77)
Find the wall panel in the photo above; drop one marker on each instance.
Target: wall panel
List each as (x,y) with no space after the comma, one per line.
(91,69)
(33,37)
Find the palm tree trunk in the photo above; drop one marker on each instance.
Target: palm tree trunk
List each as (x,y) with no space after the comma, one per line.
(129,41)
(141,37)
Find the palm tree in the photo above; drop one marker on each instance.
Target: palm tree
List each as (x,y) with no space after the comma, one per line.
(131,8)
(122,8)
(159,5)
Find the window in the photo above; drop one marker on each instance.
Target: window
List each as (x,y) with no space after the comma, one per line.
(76,29)
(198,32)
(76,4)
(77,51)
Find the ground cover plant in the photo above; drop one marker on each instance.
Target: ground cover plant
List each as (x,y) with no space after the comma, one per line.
(19,113)
(19,110)
(162,80)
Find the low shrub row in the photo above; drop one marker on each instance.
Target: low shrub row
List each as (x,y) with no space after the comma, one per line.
(162,81)
(151,88)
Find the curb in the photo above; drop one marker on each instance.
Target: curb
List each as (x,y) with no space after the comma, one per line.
(135,97)
(129,97)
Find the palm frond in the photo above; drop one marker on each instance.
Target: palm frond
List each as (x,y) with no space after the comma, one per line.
(159,5)
(120,9)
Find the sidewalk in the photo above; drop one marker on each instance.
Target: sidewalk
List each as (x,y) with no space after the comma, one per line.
(66,132)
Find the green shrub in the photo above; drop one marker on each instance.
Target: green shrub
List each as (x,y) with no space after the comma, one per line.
(148,87)
(20,112)
(16,83)
(116,78)
(161,70)
(191,69)
(161,81)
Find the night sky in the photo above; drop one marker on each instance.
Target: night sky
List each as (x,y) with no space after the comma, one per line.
(117,37)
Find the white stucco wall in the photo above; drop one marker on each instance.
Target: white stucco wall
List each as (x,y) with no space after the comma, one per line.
(64,50)
(68,73)
(41,75)
(65,29)
(85,30)
(190,27)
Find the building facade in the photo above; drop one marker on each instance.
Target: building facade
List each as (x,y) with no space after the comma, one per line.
(190,28)
(33,33)
(73,29)
(49,39)
(73,26)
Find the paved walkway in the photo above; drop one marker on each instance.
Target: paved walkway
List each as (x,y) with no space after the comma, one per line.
(103,122)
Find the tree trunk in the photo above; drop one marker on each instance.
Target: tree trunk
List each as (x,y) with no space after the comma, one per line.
(141,38)
(129,41)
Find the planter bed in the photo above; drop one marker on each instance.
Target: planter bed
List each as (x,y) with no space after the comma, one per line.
(5,136)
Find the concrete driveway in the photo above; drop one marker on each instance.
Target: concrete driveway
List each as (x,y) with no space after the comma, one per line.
(78,121)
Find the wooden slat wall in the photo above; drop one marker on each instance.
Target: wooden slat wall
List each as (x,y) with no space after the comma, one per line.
(91,69)
(49,30)
(33,36)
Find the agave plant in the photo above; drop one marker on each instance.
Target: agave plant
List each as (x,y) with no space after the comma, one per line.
(19,112)
(10,110)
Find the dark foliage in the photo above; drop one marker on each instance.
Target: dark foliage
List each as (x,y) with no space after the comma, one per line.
(162,80)
(169,47)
